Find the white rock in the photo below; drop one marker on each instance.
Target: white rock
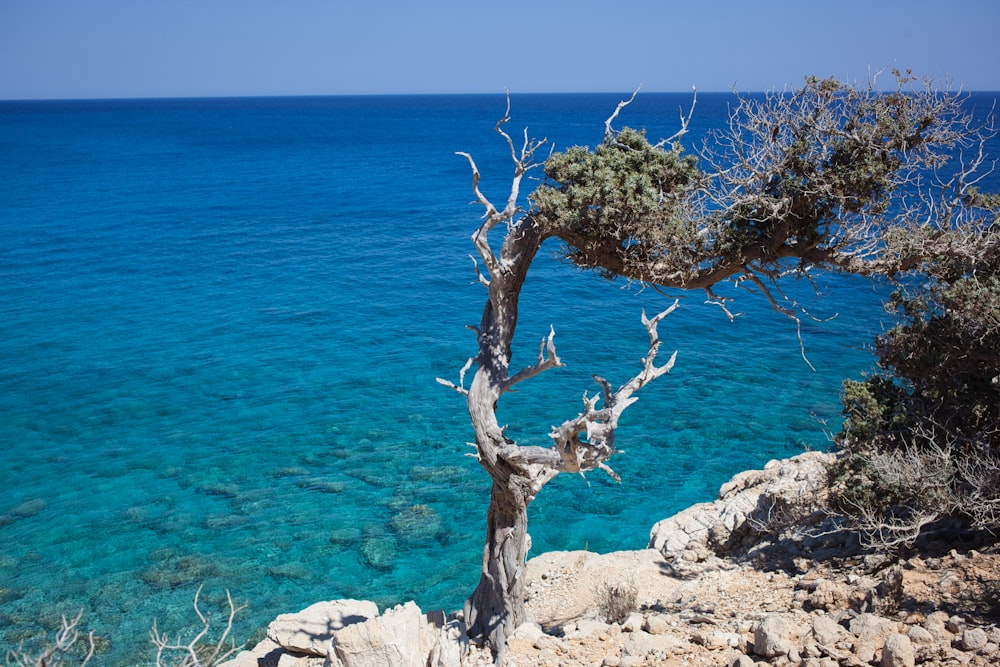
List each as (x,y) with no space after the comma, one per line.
(656,625)
(290,660)
(394,638)
(528,632)
(449,646)
(898,652)
(708,528)
(872,627)
(586,627)
(974,639)
(309,631)
(633,623)
(920,636)
(774,636)
(828,632)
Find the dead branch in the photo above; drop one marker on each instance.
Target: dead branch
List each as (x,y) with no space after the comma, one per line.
(547,358)
(194,653)
(598,425)
(55,654)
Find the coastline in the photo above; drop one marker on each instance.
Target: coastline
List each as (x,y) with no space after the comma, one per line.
(721,583)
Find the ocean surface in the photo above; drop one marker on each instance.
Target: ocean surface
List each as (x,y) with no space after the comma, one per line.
(221,321)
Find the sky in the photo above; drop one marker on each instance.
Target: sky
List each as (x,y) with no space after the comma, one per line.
(195,48)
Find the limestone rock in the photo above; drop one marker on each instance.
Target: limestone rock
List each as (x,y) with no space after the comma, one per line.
(746,504)
(655,625)
(898,652)
(973,639)
(641,644)
(829,633)
(829,595)
(774,636)
(449,644)
(292,660)
(871,631)
(394,638)
(936,625)
(310,630)
(920,636)
(401,637)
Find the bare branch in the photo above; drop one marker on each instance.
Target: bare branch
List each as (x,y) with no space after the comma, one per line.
(55,654)
(685,122)
(609,133)
(598,425)
(547,358)
(194,653)
(460,387)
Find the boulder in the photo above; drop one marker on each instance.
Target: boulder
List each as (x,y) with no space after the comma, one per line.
(401,637)
(973,639)
(748,504)
(394,638)
(310,630)
(775,635)
(872,632)
(828,632)
(898,652)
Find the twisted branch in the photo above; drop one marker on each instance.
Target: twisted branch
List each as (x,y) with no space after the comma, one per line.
(598,425)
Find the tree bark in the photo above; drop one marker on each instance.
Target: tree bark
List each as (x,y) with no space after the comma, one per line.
(496,606)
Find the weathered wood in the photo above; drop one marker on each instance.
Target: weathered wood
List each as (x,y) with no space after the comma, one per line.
(518,473)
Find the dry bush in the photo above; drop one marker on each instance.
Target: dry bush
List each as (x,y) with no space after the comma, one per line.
(615,601)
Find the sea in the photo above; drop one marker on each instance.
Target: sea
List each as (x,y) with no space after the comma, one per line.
(221,325)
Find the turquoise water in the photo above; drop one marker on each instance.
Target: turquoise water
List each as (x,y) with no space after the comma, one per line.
(222,321)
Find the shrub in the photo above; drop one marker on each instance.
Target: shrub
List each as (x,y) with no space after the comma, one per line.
(615,601)
(922,439)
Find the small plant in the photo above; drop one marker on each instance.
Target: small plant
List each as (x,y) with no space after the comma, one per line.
(616,600)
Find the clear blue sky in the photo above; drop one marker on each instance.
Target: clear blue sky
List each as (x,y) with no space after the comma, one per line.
(156,48)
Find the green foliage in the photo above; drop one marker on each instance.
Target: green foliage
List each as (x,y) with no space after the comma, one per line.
(620,199)
(833,151)
(872,407)
(936,408)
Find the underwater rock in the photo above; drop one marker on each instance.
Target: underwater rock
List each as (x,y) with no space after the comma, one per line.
(224,521)
(436,473)
(291,471)
(220,489)
(416,523)
(322,485)
(183,571)
(29,508)
(290,571)
(9,595)
(345,535)
(26,509)
(378,551)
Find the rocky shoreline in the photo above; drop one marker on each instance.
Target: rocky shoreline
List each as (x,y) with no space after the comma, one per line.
(750,579)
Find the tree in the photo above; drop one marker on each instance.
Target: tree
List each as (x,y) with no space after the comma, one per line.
(813,178)
(921,440)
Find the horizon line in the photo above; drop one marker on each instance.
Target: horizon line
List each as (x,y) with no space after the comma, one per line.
(139,98)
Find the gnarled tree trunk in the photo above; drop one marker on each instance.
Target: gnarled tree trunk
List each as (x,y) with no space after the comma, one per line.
(518,473)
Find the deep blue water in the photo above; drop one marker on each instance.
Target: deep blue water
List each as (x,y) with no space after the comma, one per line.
(220,327)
